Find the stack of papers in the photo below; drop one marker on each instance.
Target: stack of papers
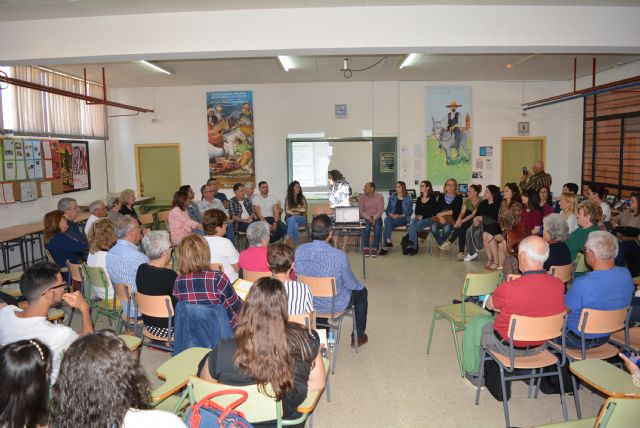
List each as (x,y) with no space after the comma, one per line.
(242,287)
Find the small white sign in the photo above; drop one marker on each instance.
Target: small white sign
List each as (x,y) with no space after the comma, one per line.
(523,128)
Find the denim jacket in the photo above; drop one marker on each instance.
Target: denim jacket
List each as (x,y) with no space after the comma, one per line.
(407,206)
(200,326)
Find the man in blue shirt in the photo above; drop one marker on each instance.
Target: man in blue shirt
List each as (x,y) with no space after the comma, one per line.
(607,287)
(318,258)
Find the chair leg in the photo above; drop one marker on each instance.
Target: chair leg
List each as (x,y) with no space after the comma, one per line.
(433,321)
(355,331)
(563,398)
(327,389)
(505,401)
(532,381)
(457,345)
(538,385)
(70,319)
(575,385)
(481,378)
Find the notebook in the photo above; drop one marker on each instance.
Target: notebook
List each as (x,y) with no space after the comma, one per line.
(347,217)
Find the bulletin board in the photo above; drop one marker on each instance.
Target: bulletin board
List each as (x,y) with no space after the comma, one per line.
(32,168)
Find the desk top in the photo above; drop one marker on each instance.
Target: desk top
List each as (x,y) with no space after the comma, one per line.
(17,232)
(144,200)
(605,377)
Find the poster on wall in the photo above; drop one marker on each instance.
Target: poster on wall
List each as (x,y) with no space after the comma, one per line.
(66,159)
(449,134)
(80,166)
(230,137)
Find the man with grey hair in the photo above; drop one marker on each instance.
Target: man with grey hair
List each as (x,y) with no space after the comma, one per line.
(98,210)
(249,189)
(70,208)
(254,258)
(124,258)
(555,231)
(606,288)
(534,294)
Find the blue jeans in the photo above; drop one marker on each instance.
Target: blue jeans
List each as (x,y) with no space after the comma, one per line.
(280,231)
(446,229)
(230,232)
(572,340)
(293,223)
(390,223)
(416,226)
(376,233)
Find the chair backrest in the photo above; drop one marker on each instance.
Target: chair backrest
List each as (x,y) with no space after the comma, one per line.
(593,321)
(533,329)
(154,306)
(146,219)
(619,412)
(253,276)
(564,273)
(49,256)
(96,278)
(75,271)
(580,264)
(257,408)
(513,276)
(319,286)
(307,320)
(321,209)
(479,284)
(163,216)
(218,266)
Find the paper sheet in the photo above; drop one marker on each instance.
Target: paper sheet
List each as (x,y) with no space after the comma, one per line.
(38,171)
(19,150)
(242,288)
(6,193)
(37,151)
(31,169)
(9,170)
(45,191)
(28,149)
(21,170)
(28,191)
(8,148)
(46,149)
(48,169)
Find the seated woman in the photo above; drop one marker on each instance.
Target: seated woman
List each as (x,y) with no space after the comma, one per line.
(399,210)
(101,384)
(198,284)
(508,216)
(268,350)
(597,193)
(556,232)
(589,217)
(254,258)
(101,237)
(513,239)
(449,207)
(156,278)
(222,250)
(426,207)
(628,248)
(127,200)
(180,224)
(568,204)
(295,208)
(465,219)
(485,226)
(25,366)
(61,245)
(113,208)
(546,204)
(531,215)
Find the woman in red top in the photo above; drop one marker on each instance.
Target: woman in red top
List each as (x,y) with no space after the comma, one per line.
(531,216)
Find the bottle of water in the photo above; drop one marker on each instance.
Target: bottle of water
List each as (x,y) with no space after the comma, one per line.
(331,340)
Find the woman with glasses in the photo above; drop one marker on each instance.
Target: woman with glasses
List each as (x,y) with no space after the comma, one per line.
(222,249)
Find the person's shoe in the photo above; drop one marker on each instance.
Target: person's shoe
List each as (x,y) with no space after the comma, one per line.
(373,252)
(460,256)
(470,257)
(446,246)
(362,340)
(383,252)
(367,252)
(388,244)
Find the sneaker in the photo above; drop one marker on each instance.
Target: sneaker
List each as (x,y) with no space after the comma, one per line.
(367,252)
(373,252)
(388,244)
(383,252)
(470,257)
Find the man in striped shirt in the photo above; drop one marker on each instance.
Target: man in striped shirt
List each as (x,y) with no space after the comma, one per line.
(535,181)
(318,258)
(280,259)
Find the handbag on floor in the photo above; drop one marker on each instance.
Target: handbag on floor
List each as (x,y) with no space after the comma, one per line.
(207,413)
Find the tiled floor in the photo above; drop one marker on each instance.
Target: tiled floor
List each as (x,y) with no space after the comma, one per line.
(392,382)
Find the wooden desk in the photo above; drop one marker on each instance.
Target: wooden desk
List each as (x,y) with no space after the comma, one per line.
(144,200)
(606,378)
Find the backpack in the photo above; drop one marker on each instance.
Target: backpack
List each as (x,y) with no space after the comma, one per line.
(404,244)
(207,413)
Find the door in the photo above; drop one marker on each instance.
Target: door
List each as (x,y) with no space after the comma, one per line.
(158,170)
(519,152)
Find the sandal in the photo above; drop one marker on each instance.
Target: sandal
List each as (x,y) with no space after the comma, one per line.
(493,266)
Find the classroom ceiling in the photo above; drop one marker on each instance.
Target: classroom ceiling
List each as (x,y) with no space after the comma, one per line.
(16,10)
(541,67)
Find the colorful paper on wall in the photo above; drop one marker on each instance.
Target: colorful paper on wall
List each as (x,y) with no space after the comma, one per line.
(19,150)
(8,150)
(31,169)
(28,149)
(80,166)
(6,193)
(37,150)
(65,151)
(46,149)
(9,170)
(39,172)
(45,190)
(48,169)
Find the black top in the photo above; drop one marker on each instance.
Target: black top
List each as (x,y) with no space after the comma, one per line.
(125,210)
(429,209)
(455,205)
(223,369)
(398,209)
(154,281)
(559,255)
(489,213)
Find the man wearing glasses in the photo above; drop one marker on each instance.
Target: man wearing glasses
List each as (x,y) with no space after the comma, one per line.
(43,287)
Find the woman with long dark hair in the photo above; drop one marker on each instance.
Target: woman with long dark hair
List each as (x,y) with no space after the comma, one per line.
(509,215)
(295,208)
(465,219)
(268,350)
(485,227)
(24,375)
(546,204)
(531,215)
(426,207)
(101,384)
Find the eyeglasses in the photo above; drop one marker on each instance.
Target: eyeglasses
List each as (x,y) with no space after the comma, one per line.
(61,285)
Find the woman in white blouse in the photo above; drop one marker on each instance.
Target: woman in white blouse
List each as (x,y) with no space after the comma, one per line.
(569,208)
(101,237)
(222,250)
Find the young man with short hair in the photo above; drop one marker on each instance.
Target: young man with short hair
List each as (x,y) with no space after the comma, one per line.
(280,258)
(267,208)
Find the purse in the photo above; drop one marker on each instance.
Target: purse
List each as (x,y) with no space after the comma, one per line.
(207,413)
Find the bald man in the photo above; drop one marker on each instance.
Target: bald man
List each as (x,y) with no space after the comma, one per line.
(536,178)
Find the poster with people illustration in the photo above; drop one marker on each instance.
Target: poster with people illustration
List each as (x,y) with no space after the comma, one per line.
(449,122)
(230,137)
(80,166)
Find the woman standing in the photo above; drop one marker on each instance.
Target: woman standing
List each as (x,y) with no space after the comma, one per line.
(61,245)
(399,210)
(180,224)
(485,223)
(268,350)
(295,208)
(339,189)
(449,207)
(508,216)
(426,207)
(465,219)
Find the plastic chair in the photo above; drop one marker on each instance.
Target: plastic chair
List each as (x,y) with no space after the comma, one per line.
(326,287)
(129,313)
(132,342)
(146,220)
(630,340)
(307,320)
(527,329)
(163,216)
(109,307)
(458,314)
(615,413)
(563,273)
(159,307)
(580,265)
(253,276)
(76,274)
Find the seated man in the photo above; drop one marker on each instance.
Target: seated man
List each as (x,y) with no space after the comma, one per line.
(371,206)
(280,258)
(241,209)
(318,258)
(534,294)
(607,287)
(124,258)
(70,208)
(43,287)
(98,210)
(218,195)
(267,208)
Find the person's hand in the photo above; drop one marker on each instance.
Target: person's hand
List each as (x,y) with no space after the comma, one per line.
(524,177)
(535,230)
(75,300)
(419,217)
(457,224)
(272,227)
(630,365)
(442,219)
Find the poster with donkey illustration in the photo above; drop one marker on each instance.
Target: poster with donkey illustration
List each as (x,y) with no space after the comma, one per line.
(449,123)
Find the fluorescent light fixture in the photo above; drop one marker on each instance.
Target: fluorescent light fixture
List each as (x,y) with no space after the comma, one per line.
(155,67)
(286,62)
(411,60)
